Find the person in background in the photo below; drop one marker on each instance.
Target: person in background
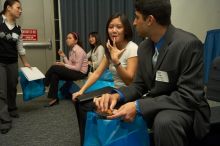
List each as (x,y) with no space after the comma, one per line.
(97,51)
(168,87)
(74,67)
(120,58)
(10,47)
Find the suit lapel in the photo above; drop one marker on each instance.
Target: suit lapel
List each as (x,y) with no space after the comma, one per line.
(149,68)
(164,49)
(162,54)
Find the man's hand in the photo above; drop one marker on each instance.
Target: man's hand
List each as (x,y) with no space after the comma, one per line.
(106,101)
(127,112)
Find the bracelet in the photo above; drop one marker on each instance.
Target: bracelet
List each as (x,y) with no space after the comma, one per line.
(117,65)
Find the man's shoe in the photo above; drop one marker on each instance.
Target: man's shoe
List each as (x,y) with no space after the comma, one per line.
(14,114)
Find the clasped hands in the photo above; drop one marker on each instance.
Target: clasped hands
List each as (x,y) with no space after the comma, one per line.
(126,112)
(61,53)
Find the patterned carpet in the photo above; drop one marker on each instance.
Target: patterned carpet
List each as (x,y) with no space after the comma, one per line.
(40,126)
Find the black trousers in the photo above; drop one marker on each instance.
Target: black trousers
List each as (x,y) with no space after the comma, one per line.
(56,73)
(87,105)
(81,112)
(172,128)
(8,89)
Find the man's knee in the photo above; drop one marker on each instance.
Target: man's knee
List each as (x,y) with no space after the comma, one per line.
(163,122)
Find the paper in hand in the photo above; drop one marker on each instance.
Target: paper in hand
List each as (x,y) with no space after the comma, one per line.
(32,73)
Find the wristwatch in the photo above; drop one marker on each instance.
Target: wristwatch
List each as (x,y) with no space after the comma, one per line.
(117,65)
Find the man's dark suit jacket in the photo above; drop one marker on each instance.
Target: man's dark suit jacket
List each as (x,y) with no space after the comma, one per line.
(181,60)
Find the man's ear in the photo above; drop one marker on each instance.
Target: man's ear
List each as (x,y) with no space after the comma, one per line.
(8,8)
(150,19)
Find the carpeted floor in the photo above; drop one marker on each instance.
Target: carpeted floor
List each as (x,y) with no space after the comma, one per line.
(40,126)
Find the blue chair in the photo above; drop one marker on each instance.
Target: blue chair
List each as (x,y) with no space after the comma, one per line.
(106,80)
(212,50)
(213,94)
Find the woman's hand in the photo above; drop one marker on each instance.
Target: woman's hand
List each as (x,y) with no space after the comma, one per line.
(114,52)
(61,53)
(90,63)
(59,63)
(27,65)
(76,94)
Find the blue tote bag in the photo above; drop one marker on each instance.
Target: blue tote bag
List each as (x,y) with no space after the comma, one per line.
(31,89)
(102,132)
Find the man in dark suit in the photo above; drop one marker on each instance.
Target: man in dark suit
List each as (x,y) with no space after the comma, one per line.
(168,88)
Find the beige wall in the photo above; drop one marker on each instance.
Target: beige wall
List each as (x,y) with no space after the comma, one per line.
(196,16)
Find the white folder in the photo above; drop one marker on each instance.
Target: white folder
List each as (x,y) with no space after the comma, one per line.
(32,73)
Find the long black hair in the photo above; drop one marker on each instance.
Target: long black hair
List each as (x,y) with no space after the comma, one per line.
(97,42)
(127,29)
(8,3)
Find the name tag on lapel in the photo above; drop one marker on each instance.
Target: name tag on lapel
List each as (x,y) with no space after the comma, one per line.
(162,76)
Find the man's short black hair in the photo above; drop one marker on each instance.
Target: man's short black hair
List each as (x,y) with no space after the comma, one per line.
(160,9)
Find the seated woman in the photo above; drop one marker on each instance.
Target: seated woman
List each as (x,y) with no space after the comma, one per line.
(73,68)
(121,59)
(97,51)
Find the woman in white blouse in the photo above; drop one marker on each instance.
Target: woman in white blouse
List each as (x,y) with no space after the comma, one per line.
(121,59)
(97,51)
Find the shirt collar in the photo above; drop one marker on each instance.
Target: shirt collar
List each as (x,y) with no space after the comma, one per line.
(159,44)
(4,19)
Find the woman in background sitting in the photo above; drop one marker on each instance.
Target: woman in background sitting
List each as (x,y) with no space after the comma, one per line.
(97,51)
(74,67)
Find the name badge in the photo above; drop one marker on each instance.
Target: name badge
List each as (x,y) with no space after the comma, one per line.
(162,76)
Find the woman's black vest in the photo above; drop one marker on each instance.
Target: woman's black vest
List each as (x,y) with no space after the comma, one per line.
(8,43)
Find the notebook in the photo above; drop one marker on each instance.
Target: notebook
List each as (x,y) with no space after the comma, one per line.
(32,73)
(89,96)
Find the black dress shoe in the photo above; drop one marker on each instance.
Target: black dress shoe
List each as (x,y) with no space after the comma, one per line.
(14,114)
(5,127)
(4,131)
(52,103)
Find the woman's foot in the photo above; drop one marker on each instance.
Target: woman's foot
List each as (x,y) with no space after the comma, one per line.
(52,103)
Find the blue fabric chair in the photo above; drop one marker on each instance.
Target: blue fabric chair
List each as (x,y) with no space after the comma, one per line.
(66,88)
(106,80)
(213,94)
(212,50)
